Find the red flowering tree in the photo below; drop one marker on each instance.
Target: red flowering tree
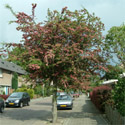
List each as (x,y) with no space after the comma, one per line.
(66,48)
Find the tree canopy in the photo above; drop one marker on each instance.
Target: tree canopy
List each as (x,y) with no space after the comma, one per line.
(115,42)
(114,72)
(66,47)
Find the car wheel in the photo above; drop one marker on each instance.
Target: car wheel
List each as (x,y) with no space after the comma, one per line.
(1,109)
(6,105)
(21,105)
(58,108)
(28,103)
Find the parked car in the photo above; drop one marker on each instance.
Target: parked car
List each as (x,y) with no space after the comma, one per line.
(74,94)
(64,101)
(18,99)
(62,93)
(1,105)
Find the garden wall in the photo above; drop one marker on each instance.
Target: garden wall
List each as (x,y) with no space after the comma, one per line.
(113,116)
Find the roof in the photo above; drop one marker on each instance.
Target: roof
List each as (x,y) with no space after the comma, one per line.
(112,81)
(11,67)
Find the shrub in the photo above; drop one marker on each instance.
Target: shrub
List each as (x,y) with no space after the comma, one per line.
(29,91)
(119,96)
(38,90)
(3,92)
(100,95)
(4,96)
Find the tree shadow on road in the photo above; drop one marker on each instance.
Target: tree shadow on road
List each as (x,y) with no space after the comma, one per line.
(46,104)
(27,114)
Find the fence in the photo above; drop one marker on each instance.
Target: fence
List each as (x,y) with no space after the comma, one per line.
(113,116)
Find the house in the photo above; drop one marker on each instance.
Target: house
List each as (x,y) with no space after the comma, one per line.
(6,74)
(112,82)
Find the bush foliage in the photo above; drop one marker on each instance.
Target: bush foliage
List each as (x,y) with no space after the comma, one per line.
(100,95)
(119,96)
(29,91)
(38,90)
(4,96)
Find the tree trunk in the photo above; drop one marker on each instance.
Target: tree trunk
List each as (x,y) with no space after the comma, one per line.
(54,105)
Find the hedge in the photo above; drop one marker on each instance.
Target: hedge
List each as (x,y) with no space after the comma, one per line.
(100,95)
(4,96)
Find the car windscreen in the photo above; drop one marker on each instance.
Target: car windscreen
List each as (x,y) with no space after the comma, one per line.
(15,95)
(63,98)
(72,92)
(63,93)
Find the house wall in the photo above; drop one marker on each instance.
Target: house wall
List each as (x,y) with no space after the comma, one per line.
(2,90)
(22,80)
(6,81)
(5,90)
(6,78)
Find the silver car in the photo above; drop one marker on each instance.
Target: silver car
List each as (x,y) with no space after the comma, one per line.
(61,93)
(64,101)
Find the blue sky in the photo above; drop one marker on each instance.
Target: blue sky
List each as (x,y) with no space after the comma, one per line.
(111,12)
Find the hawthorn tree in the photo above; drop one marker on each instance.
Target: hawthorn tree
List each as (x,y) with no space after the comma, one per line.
(65,49)
(12,56)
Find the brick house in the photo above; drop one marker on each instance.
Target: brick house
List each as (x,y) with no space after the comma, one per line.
(6,74)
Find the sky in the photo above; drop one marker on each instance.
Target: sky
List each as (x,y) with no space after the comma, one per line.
(111,12)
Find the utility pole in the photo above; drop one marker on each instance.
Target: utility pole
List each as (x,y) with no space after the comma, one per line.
(43,90)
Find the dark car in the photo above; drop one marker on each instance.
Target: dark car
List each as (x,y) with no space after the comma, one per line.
(1,105)
(64,101)
(18,99)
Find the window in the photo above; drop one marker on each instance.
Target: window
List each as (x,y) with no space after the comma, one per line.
(1,74)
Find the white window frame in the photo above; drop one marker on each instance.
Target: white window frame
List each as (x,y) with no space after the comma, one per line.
(1,73)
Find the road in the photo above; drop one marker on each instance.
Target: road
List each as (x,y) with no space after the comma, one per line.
(39,113)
